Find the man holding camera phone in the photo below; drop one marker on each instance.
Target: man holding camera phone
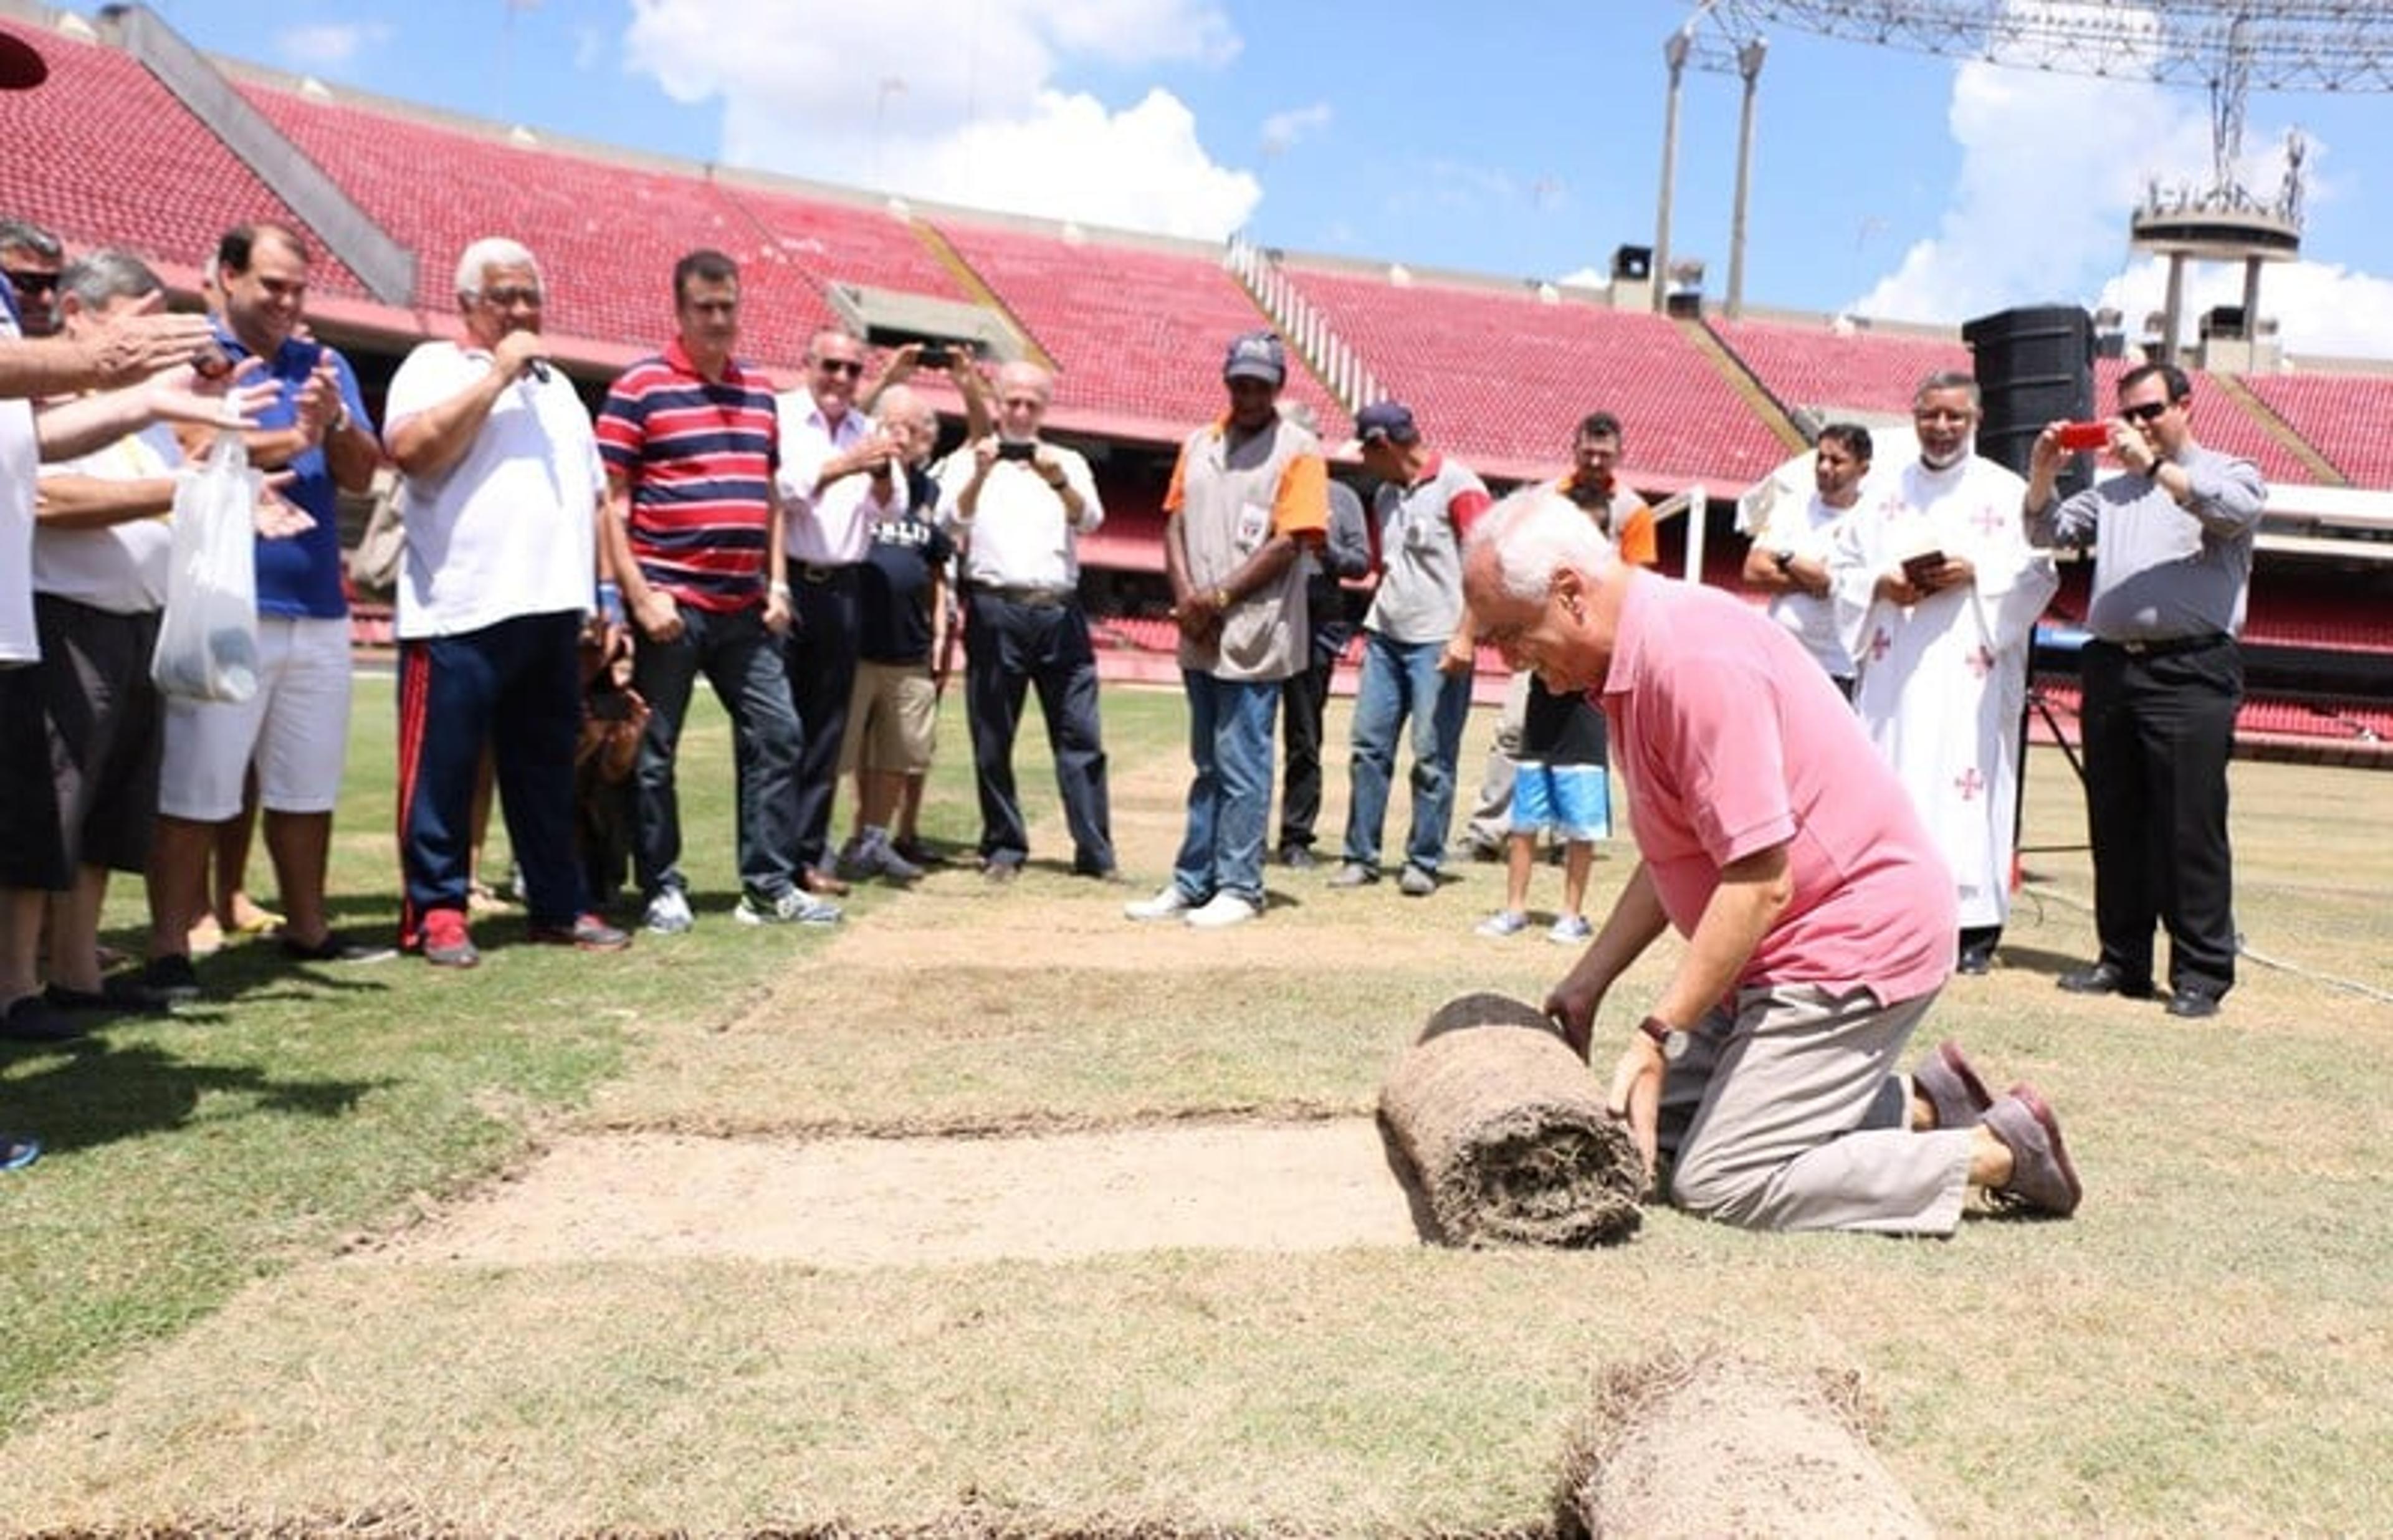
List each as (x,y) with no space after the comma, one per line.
(1937,591)
(2163,677)
(1019,506)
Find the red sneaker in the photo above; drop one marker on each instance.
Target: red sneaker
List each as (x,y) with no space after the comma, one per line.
(447,942)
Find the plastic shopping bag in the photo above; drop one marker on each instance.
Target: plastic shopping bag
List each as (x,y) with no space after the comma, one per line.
(207,642)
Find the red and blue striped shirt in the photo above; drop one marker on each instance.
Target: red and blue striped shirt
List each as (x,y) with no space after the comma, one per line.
(699,456)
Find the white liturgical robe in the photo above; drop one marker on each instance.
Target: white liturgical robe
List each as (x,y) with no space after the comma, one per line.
(1941,684)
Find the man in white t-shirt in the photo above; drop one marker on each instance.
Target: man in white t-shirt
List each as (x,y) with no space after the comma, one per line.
(1789,555)
(503,485)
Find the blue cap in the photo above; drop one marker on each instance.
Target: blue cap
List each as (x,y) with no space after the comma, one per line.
(1389,419)
(1257,355)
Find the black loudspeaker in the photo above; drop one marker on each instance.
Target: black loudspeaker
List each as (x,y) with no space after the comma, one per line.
(1634,263)
(2035,365)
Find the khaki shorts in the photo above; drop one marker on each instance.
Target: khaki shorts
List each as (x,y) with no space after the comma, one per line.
(892,718)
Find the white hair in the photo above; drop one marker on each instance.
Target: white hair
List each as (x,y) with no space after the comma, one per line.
(1534,533)
(491,250)
(904,402)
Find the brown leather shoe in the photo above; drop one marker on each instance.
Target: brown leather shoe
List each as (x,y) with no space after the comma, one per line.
(1953,1086)
(2041,1176)
(821,883)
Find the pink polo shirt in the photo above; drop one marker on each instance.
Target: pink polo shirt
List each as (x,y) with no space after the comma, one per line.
(1732,740)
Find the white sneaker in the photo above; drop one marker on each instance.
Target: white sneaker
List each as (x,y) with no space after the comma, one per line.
(794,908)
(1223,909)
(1168,905)
(1569,930)
(1503,923)
(669,913)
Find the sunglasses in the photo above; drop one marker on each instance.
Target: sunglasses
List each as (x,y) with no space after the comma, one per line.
(2148,413)
(852,367)
(505,299)
(28,283)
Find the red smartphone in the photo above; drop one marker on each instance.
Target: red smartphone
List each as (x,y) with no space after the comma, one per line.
(2075,436)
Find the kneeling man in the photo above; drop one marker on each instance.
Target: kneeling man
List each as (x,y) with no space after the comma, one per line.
(1817,913)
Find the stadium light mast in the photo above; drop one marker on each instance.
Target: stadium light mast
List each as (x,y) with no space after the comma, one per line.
(1718,48)
(1748,65)
(1674,53)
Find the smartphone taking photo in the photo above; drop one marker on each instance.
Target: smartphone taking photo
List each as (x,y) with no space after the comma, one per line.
(1017,449)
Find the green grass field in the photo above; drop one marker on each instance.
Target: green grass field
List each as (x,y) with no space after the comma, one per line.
(208,1322)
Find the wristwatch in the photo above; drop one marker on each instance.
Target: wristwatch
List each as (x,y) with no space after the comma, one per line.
(1669,1041)
(1783,558)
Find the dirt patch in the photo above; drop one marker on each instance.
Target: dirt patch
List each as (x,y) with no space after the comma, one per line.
(866,1203)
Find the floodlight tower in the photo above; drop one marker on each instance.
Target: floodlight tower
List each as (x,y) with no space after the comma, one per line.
(2231,46)
(1720,50)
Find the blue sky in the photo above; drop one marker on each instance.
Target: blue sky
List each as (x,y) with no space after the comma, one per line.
(1525,143)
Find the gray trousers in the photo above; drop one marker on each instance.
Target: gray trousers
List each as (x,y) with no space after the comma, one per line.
(1792,1114)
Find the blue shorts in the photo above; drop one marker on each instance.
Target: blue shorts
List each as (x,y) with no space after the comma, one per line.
(1575,801)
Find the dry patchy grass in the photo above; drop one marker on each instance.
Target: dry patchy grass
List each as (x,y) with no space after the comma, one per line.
(2203,1351)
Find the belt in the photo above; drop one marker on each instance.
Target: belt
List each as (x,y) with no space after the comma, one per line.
(2164,647)
(811,572)
(1034,596)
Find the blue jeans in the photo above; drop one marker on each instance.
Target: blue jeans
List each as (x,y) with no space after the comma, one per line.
(742,661)
(1401,679)
(1229,802)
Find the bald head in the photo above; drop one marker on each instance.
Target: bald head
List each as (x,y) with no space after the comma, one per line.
(1023,392)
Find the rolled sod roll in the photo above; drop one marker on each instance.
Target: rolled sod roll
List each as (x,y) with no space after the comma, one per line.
(1703,1441)
(1506,1131)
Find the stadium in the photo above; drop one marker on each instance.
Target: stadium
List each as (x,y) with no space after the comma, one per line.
(989,1213)
(146,143)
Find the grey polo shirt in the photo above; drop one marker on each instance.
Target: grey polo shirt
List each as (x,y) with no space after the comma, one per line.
(2164,572)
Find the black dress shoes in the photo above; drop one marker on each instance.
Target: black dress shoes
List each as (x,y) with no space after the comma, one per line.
(2192,1004)
(2104,979)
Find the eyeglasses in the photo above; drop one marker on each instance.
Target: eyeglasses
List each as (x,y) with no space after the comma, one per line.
(507,299)
(2148,413)
(851,367)
(27,281)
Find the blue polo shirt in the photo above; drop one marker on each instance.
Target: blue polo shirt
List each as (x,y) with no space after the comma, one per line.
(300,578)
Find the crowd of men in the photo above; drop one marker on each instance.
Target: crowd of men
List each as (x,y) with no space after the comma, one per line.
(1822,798)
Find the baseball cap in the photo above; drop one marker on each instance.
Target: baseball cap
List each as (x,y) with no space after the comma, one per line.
(1255,355)
(1389,419)
(21,65)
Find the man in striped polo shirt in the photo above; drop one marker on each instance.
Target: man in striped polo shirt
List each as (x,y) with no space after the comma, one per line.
(691,441)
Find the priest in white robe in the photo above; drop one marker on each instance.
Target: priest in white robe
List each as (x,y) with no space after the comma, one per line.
(1937,593)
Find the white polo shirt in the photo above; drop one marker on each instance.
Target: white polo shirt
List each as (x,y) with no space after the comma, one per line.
(508,529)
(119,568)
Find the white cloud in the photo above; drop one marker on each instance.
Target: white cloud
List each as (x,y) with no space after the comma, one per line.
(1282,130)
(329,44)
(589,46)
(954,100)
(2051,168)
